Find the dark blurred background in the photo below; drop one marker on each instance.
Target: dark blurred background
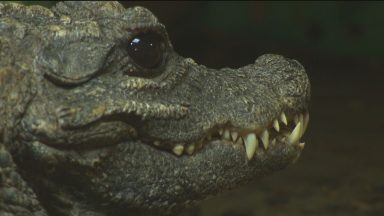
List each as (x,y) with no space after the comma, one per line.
(341,44)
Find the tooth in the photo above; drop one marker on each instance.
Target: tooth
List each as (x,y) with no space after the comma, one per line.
(306,121)
(221,131)
(265,138)
(276,125)
(283,118)
(190,149)
(178,149)
(156,143)
(301,145)
(301,119)
(251,145)
(240,141)
(273,142)
(234,136)
(265,145)
(296,119)
(295,135)
(227,135)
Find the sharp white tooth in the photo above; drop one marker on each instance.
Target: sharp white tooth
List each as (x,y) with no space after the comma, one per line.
(273,142)
(227,134)
(178,149)
(156,143)
(234,135)
(265,138)
(265,144)
(251,145)
(240,141)
(283,118)
(301,145)
(301,119)
(221,131)
(276,125)
(296,119)
(295,135)
(190,149)
(306,121)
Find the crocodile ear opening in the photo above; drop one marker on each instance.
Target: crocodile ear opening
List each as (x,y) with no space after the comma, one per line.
(73,64)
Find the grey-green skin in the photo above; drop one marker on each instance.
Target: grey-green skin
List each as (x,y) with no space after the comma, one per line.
(77,132)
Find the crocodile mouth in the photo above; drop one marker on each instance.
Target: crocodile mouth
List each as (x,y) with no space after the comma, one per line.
(283,129)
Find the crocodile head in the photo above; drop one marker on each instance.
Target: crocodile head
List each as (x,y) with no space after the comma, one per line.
(119,122)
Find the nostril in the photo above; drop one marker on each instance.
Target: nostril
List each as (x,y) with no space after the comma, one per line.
(268,59)
(295,64)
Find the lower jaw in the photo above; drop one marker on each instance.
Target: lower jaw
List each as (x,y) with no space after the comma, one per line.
(178,180)
(160,178)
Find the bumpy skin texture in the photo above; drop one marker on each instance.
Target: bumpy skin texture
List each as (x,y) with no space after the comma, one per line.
(79,117)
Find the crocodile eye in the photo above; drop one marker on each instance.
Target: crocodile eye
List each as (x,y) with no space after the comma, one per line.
(147,50)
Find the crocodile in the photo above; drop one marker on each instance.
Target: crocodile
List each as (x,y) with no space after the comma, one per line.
(100,116)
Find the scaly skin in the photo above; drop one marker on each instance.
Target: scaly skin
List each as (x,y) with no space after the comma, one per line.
(88,129)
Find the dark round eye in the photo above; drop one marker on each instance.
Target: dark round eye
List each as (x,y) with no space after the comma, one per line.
(147,50)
